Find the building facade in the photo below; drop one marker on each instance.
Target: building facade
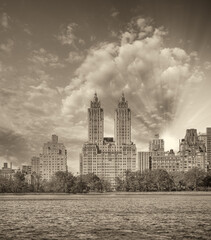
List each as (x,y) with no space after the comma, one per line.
(7,171)
(167,161)
(27,169)
(156,144)
(192,151)
(107,157)
(209,147)
(53,158)
(144,161)
(156,150)
(35,163)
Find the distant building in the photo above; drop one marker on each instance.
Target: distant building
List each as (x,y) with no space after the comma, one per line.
(203,139)
(27,169)
(35,165)
(7,171)
(156,144)
(144,161)
(209,147)
(53,158)
(107,157)
(168,161)
(192,151)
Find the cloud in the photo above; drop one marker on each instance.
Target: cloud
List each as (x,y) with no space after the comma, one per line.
(75,57)
(27,30)
(114,12)
(67,36)
(154,78)
(13,147)
(8,46)
(45,59)
(5,20)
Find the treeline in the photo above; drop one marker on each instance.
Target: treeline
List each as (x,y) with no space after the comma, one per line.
(62,182)
(66,182)
(161,180)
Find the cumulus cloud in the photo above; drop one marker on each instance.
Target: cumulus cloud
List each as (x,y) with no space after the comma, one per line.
(153,78)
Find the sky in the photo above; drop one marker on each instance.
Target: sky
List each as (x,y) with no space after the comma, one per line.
(54,55)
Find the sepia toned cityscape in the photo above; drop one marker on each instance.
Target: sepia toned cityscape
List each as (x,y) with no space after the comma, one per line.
(105,127)
(110,158)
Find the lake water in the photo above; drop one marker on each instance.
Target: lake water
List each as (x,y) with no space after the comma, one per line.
(109,216)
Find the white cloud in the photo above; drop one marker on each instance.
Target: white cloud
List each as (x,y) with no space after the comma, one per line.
(5,20)
(8,46)
(75,57)
(114,13)
(67,36)
(150,75)
(44,58)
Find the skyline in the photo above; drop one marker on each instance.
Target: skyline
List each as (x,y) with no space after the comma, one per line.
(55,56)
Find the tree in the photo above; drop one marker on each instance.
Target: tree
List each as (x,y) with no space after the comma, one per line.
(178,180)
(194,178)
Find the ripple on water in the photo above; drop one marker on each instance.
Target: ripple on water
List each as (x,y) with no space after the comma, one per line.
(98,217)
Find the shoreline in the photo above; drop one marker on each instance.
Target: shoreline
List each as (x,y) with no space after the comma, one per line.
(110,193)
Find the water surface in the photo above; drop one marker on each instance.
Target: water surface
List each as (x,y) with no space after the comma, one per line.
(110,216)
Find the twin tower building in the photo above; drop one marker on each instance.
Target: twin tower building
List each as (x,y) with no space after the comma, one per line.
(108,157)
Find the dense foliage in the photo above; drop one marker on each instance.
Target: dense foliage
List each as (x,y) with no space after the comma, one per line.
(161,180)
(62,182)
(66,182)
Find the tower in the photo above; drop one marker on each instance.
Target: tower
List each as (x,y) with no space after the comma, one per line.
(122,129)
(95,121)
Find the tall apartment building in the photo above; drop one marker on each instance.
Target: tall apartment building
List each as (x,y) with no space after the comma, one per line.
(192,151)
(122,119)
(53,158)
(106,157)
(96,122)
(209,147)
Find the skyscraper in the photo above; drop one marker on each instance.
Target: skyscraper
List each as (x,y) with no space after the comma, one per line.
(209,147)
(122,128)
(102,155)
(53,158)
(96,122)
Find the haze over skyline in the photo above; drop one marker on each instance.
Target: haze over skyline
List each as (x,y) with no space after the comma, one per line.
(54,55)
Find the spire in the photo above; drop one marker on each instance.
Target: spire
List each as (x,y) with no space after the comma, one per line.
(122,101)
(123,97)
(95,103)
(95,97)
